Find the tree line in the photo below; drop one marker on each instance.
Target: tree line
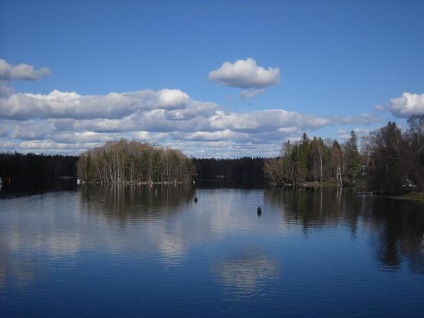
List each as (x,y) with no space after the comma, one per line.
(395,159)
(315,161)
(390,161)
(17,166)
(134,162)
(247,167)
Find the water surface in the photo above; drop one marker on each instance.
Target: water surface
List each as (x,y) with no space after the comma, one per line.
(137,251)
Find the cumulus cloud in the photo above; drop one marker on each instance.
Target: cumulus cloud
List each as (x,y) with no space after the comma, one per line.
(171,98)
(69,123)
(43,146)
(59,104)
(6,91)
(408,104)
(33,130)
(267,120)
(245,74)
(217,135)
(9,72)
(102,125)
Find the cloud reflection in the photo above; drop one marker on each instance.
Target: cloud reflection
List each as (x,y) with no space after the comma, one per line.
(172,249)
(243,274)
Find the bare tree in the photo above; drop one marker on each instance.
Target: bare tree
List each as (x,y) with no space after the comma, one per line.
(128,162)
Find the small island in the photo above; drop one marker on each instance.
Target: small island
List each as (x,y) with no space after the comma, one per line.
(132,162)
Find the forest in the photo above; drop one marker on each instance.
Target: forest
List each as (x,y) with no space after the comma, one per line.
(33,167)
(389,161)
(247,167)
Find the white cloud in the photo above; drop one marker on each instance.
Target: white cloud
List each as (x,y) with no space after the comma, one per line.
(171,98)
(245,74)
(85,137)
(104,125)
(33,130)
(408,104)
(143,135)
(40,146)
(267,120)
(10,72)
(59,104)
(216,135)
(69,123)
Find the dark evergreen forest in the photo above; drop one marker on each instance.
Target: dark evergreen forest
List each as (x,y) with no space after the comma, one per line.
(23,174)
(245,171)
(17,166)
(33,167)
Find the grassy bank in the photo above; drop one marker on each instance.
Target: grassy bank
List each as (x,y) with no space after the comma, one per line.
(412,196)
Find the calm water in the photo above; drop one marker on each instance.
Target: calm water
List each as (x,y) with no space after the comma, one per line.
(134,251)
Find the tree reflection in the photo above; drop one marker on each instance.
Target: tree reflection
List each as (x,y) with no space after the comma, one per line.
(400,229)
(317,208)
(136,201)
(397,226)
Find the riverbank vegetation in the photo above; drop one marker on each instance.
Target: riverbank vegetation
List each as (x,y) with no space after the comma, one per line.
(315,162)
(390,162)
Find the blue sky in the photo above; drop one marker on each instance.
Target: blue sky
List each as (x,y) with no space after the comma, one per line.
(211,78)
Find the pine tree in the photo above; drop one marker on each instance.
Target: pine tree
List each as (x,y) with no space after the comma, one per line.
(353,158)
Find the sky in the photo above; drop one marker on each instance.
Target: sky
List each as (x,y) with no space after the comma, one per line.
(223,79)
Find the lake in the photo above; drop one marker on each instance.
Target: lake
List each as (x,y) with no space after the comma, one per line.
(140,252)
